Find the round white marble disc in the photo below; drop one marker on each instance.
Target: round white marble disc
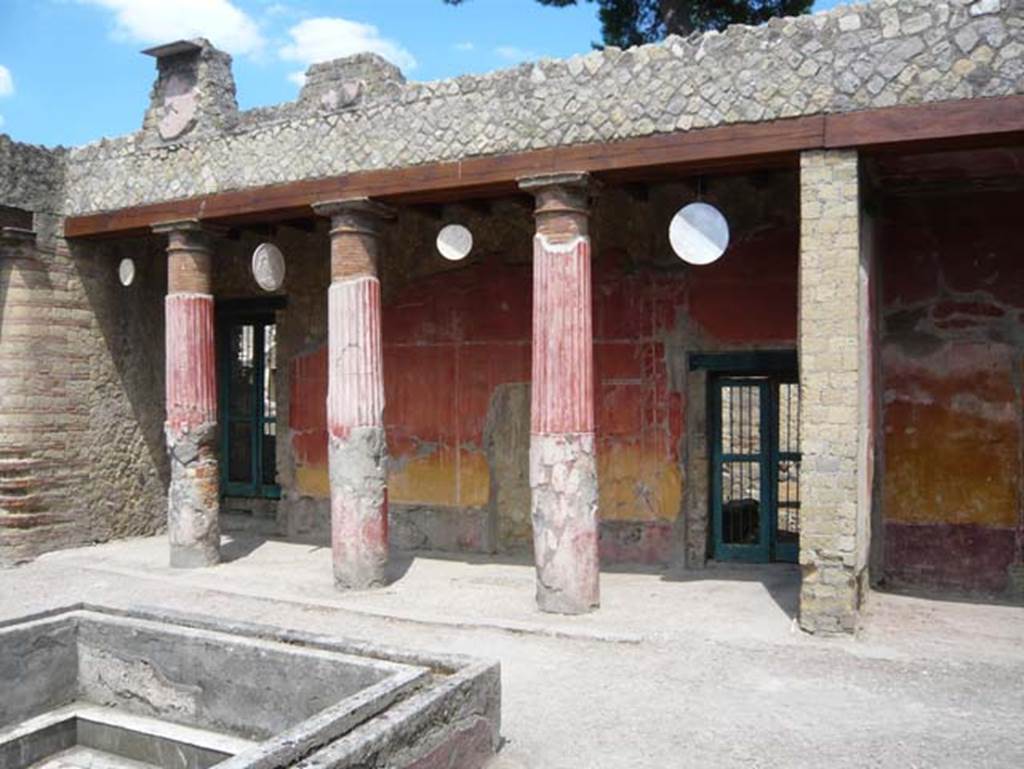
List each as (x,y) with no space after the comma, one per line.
(454,242)
(126,271)
(699,234)
(268,266)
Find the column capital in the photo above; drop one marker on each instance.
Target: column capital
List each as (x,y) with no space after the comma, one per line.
(572,179)
(356,225)
(355,214)
(189,255)
(562,204)
(177,225)
(189,233)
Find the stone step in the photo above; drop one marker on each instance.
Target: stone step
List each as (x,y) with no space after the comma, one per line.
(20,502)
(29,520)
(13,485)
(17,466)
(15,452)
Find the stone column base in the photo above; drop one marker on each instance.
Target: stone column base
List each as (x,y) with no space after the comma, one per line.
(193,500)
(563,479)
(830,597)
(359,518)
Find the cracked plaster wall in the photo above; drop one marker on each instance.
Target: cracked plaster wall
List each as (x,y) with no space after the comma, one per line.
(952,371)
(457,368)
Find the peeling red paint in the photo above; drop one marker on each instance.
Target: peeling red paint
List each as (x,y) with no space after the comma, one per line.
(630,542)
(358,535)
(949,556)
(307,407)
(563,359)
(750,294)
(191,380)
(953,287)
(355,389)
(450,339)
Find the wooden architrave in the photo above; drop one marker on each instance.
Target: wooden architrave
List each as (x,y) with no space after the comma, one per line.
(730,148)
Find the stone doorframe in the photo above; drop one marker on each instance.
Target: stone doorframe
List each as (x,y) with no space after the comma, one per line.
(696,524)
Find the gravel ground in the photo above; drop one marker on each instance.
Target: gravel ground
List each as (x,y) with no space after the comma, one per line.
(677,669)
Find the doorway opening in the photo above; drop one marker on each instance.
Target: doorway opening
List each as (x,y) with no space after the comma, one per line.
(754,437)
(248,403)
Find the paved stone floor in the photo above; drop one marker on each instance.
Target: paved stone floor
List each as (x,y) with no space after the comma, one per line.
(675,670)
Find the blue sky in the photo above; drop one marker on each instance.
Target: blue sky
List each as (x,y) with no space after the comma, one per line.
(71,72)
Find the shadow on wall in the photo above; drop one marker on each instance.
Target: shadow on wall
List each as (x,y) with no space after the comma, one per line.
(18,219)
(21,270)
(129,470)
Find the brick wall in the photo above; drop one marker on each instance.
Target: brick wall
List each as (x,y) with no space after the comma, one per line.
(81,454)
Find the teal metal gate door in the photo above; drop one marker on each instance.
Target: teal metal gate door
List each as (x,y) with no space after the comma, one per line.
(248,406)
(755,462)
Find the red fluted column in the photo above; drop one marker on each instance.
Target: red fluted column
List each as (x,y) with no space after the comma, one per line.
(563,469)
(193,497)
(357,449)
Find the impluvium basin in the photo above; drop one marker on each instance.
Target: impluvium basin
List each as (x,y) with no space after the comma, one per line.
(87,687)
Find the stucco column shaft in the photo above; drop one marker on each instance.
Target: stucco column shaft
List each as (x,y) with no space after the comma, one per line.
(563,468)
(357,448)
(193,497)
(837,399)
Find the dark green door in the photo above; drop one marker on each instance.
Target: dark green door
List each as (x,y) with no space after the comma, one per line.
(755,464)
(248,406)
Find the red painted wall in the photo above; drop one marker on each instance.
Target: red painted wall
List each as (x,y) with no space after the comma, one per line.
(451,338)
(953,282)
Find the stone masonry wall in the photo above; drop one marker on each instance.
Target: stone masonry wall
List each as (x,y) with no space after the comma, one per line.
(890,52)
(31,177)
(832,382)
(81,444)
(81,450)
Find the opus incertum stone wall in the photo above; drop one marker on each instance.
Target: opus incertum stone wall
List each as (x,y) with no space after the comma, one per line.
(31,177)
(886,53)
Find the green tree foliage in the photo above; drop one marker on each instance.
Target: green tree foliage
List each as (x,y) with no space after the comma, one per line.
(634,22)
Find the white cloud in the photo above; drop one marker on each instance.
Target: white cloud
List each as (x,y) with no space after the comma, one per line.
(6,81)
(514,53)
(299,78)
(161,21)
(326,38)
(2,121)
(464,46)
